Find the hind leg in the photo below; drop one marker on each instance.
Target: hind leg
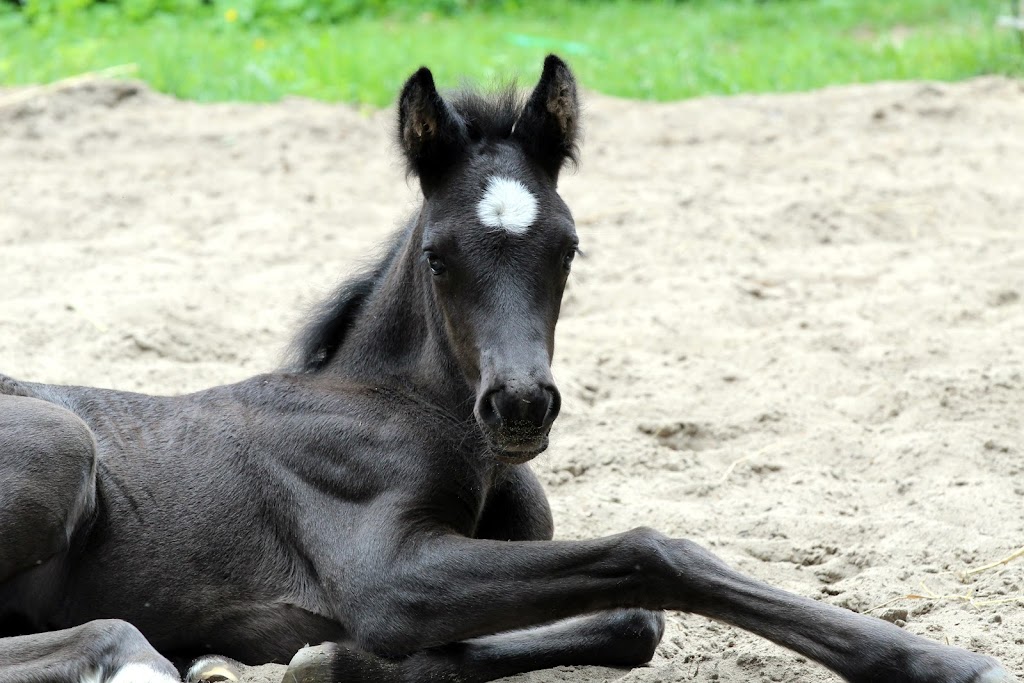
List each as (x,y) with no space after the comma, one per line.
(102,651)
(48,493)
(48,482)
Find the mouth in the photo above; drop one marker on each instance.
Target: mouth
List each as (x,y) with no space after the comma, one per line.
(516,453)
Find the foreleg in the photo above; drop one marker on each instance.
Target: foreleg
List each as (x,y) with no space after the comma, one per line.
(517,509)
(616,638)
(443,589)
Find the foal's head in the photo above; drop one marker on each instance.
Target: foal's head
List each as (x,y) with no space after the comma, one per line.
(497,241)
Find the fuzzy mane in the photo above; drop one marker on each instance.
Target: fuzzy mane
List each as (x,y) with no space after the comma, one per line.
(493,115)
(322,336)
(488,115)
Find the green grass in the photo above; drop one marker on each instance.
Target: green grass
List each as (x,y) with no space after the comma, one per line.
(648,50)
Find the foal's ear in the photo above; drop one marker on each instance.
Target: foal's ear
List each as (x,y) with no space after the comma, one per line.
(432,135)
(549,126)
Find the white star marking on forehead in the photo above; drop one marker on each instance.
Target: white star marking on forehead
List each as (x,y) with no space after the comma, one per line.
(507,205)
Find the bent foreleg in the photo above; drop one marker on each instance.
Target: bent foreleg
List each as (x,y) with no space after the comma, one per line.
(620,638)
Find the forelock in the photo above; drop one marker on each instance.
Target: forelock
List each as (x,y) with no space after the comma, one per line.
(489,115)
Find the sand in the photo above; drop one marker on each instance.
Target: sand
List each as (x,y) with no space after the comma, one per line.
(797,336)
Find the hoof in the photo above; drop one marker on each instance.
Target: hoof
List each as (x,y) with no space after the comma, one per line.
(214,670)
(311,665)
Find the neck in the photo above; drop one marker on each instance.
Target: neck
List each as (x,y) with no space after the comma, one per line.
(398,337)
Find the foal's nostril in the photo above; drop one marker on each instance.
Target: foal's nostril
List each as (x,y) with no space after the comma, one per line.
(531,408)
(553,405)
(488,410)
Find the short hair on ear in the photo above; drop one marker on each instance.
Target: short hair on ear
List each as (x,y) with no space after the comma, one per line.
(430,132)
(549,127)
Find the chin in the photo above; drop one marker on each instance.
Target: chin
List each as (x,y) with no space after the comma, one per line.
(518,453)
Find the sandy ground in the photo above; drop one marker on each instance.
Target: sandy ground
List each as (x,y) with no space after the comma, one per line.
(798,336)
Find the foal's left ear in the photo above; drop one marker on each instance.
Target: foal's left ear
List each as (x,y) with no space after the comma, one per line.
(432,135)
(549,126)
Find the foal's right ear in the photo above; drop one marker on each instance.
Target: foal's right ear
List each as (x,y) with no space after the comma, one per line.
(432,135)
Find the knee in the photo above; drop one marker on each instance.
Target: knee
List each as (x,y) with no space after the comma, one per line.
(666,564)
(49,456)
(650,552)
(43,440)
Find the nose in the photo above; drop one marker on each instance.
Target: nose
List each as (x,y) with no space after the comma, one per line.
(519,408)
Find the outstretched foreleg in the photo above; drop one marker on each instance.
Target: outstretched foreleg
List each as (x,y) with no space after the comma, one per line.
(438,589)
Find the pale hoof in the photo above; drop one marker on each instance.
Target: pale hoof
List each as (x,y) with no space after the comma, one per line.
(214,669)
(311,665)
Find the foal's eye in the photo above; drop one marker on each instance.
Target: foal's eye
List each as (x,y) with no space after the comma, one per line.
(436,263)
(567,259)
